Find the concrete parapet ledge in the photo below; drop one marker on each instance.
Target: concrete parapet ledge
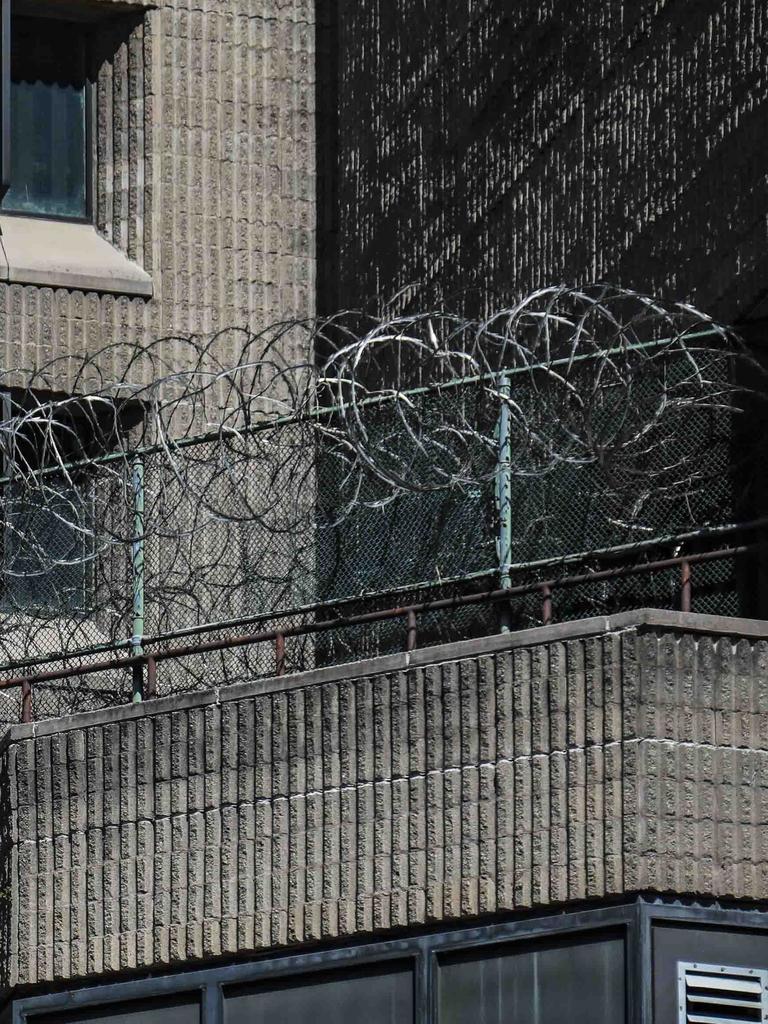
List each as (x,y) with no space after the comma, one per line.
(564,764)
(642,619)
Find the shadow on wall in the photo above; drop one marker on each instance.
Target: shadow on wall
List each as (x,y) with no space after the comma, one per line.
(474,150)
(6,872)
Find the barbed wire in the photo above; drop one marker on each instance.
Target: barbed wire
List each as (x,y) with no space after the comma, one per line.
(197,480)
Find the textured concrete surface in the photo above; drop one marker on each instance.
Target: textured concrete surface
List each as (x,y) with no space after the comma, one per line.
(204,177)
(485,148)
(561,765)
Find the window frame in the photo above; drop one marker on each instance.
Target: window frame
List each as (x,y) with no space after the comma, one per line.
(426,949)
(6,113)
(424,952)
(5,97)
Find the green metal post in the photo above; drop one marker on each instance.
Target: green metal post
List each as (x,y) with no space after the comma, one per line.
(137,572)
(504,497)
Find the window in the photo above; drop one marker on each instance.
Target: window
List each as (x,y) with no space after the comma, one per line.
(376,995)
(48,513)
(566,980)
(49,114)
(176,1010)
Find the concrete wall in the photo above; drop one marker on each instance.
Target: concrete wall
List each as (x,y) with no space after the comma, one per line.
(485,148)
(204,176)
(561,764)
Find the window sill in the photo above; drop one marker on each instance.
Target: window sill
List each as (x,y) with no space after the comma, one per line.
(87,10)
(59,254)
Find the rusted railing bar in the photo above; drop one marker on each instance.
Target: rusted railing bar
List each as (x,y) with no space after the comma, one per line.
(74,671)
(340,622)
(546,604)
(279,654)
(306,609)
(26,701)
(685,586)
(150,688)
(411,630)
(621,551)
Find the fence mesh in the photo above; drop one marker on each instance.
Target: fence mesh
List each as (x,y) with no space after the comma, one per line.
(424,460)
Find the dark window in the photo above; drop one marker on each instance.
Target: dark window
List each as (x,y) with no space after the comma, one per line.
(49,119)
(181,1010)
(48,498)
(378,995)
(578,981)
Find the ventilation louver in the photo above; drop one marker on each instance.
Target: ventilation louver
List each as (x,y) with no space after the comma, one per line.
(711,994)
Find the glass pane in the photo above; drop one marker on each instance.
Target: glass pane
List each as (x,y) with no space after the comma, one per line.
(578,981)
(182,1010)
(381,995)
(48,111)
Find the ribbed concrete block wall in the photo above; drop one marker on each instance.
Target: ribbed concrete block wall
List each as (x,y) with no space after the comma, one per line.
(484,149)
(204,175)
(567,764)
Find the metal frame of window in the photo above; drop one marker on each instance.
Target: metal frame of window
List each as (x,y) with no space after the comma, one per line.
(5,117)
(634,919)
(424,952)
(5,97)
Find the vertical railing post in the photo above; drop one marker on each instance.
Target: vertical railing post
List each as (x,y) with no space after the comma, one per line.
(137,678)
(504,498)
(26,701)
(685,586)
(546,604)
(137,572)
(280,654)
(411,635)
(150,688)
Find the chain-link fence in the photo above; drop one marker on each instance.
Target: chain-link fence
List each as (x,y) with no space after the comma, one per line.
(422,465)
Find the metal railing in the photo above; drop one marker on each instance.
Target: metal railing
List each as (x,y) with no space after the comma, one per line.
(144,666)
(357,548)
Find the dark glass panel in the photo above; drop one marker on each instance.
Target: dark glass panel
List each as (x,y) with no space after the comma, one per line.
(374,996)
(578,981)
(181,1010)
(48,118)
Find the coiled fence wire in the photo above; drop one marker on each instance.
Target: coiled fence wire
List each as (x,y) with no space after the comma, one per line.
(202,512)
